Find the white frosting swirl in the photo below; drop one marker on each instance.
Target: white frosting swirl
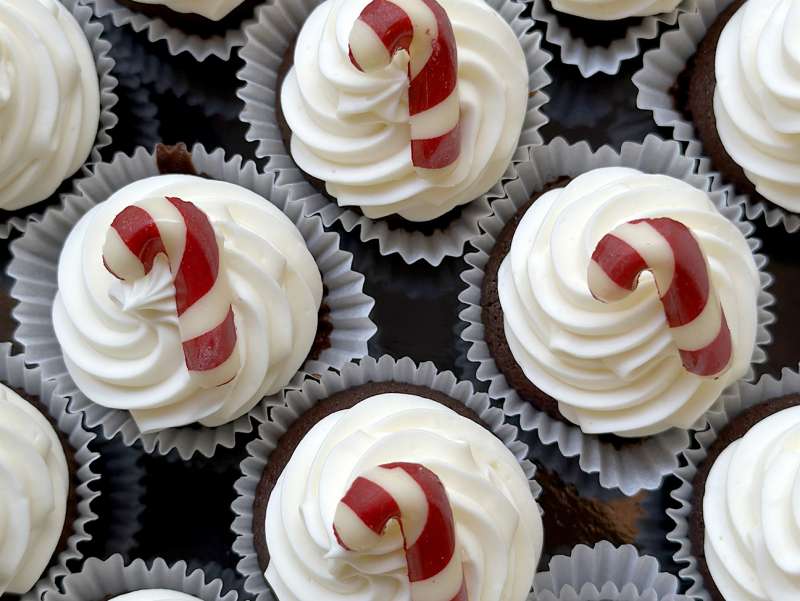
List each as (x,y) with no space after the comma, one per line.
(757,99)
(351,129)
(614,368)
(155,595)
(750,510)
(121,342)
(497,520)
(49,99)
(210,9)
(611,10)
(34,485)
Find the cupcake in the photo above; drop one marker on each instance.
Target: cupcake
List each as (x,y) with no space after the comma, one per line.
(51,97)
(725,80)
(200,293)
(617,301)
(401,136)
(423,452)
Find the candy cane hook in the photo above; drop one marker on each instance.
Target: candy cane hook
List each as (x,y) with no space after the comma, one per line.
(671,252)
(183,233)
(413,495)
(423,29)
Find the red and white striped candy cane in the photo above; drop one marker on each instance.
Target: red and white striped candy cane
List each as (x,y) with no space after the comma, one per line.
(413,495)
(183,233)
(671,252)
(423,29)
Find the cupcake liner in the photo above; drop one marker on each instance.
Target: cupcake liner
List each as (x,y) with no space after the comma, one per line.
(661,68)
(591,60)
(749,395)
(608,573)
(385,369)
(276,27)
(177,41)
(100,580)
(95,34)
(636,467)
(34,268)
(15,374)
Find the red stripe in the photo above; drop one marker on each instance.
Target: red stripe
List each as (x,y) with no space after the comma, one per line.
(620,261)
(213,348)
(372,504)
(390,23)
(200,262)
(435,547)
(439,76)
(688,293)
(436,153)
(714,358)
(140,234)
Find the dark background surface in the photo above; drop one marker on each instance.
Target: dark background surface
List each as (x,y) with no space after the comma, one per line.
(187,505)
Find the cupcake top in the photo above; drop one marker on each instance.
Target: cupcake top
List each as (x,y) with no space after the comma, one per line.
(756,98)
(611,10)
(155,595)
(218,312)
(621,367)
(750,505)
(210,9)
(360,127)
(34,485)
(49,100)
(497,523)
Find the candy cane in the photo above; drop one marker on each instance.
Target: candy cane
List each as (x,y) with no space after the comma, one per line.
(423,29)
(671,252)
(183,233)
(413,495)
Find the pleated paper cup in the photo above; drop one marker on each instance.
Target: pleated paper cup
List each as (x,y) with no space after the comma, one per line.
(15,374)
(385,369)
(655,82)
(177,40)
(34,268)
(592,60)
(605,573)
(102,580)
(750,395)
(635,467)
(268,40)
(18,220)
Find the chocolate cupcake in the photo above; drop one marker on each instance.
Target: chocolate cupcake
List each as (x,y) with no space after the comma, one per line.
(408,162)
(727,90)
(370,422)
(564,334)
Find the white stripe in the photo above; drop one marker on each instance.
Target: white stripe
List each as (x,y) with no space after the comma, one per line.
(444,586)
(208,312)
(119,258)
(703,330)
(437,120)
(355,534)
(425,31)
(653,248)
(367,47)
(409,498)
(603,287)
(171,226)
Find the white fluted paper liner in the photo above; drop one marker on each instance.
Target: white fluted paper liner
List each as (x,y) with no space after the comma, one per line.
(100,580)
(34,267)
(608,573)
(15,374)
(177,40)
(591,60)
(660,71)
(385,369)
(100,47)
(638,466)
(268,39)
(748,396)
